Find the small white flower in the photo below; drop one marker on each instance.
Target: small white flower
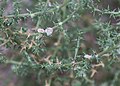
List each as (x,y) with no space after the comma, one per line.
(41,30)
(49,4)
(88,56)
(49,31)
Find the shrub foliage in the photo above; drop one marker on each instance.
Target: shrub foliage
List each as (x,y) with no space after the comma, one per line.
(59,40)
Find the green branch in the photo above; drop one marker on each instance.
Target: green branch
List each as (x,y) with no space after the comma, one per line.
(29,14)
(109,49)
(107,12)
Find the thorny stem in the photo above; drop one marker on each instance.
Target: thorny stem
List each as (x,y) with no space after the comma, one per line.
(38,22)
(76,63)
(14,62)
(58,47)
(77,48)
(27,14)
(109,49)
(23,63)
(68,17)
(32,14)
(107,12)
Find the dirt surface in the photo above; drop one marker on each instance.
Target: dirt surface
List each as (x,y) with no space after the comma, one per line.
(7,77)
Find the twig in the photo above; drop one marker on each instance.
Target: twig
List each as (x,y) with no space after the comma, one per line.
(14,62)
(107,12)
(27,14)
(109,49)
(77,48)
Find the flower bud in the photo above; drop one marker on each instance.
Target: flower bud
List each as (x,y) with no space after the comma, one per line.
(41,30)
(49,31)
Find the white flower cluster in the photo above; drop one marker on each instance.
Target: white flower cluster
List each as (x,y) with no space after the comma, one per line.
(48,31)
(89,56)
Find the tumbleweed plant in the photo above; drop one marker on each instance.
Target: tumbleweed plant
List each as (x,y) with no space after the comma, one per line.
(59,42)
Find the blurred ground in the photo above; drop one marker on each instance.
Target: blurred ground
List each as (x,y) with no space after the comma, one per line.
(7,77)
